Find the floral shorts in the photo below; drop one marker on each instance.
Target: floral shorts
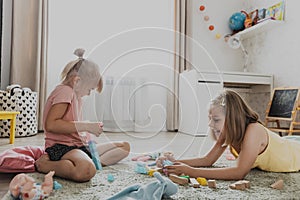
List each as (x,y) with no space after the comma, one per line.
(57,151)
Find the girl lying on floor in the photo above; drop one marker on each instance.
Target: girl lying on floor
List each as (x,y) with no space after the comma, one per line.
(233,123)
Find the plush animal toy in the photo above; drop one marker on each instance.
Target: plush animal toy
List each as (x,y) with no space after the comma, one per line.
(24,187)
(160,189)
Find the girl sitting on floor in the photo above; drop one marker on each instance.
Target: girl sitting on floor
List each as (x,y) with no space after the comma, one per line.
(67,154)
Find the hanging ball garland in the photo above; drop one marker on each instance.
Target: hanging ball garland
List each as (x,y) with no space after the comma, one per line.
(202,8)
(210,27)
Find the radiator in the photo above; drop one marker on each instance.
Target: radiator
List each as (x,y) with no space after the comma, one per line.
(122,103)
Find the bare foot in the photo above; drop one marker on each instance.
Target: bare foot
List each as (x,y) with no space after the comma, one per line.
(41,162)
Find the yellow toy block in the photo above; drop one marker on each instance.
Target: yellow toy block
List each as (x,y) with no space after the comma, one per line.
(151,172)
(202,181)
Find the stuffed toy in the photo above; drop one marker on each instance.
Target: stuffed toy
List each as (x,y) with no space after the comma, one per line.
(24,187)
(156,190)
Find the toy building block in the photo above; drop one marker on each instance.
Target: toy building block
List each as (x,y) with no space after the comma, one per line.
(232,186)
(179,180)
(202,181)
(110,178)
(240,185)
(247,183)
(278,185)
(185,176)
(151,164)
(141,168)
(194,183)
(167,163)
(212,183)
(151,172)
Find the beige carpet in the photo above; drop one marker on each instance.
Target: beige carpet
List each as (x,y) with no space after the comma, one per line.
(100,188)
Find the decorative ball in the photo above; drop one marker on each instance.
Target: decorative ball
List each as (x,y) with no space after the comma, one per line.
(202,8)
(206,18)
(236,21)
(211,27)
(218,36)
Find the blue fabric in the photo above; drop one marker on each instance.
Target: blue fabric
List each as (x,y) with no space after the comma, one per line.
(155,190)
(292,137)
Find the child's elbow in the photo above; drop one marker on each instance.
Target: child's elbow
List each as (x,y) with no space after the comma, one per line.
(49,127)
(240,175)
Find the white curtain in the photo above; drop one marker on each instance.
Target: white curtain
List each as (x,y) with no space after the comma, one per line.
(29,47)
(179,64)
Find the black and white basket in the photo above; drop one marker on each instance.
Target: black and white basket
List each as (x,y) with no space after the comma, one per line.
(23,100)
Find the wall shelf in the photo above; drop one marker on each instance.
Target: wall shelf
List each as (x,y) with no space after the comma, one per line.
(258,28)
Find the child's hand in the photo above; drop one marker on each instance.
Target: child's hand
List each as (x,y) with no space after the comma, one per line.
(159,161)
(95,128)
(166,156)
(178,168)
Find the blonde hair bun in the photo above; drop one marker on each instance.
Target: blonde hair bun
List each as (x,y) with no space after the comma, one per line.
(79,52)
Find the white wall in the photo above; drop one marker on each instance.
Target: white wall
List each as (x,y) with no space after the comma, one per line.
(274,51)
(207,53)
(131,38)
(277,50)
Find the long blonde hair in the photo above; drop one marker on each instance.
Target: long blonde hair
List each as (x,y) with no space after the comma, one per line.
(238,115)
(86,69)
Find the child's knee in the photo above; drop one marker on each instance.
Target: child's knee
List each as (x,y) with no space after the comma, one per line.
(126,147)
(85,172)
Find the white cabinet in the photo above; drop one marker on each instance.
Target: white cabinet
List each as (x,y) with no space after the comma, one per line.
(196,89)
(194,96)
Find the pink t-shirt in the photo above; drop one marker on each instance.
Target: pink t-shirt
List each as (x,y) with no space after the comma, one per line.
(63,94)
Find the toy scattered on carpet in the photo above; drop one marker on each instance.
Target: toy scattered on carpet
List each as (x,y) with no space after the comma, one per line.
(146,156)
(24,187)
(95,154)
(202,181)
(151,170)
(240,185)
(212,183)
(169,157)
(156,190)
(110,178)
(278,185)
(144,168)
(178,179)
(194,183)
(141,168)
(56,185)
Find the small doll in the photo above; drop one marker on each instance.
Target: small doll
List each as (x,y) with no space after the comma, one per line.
(24,187)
